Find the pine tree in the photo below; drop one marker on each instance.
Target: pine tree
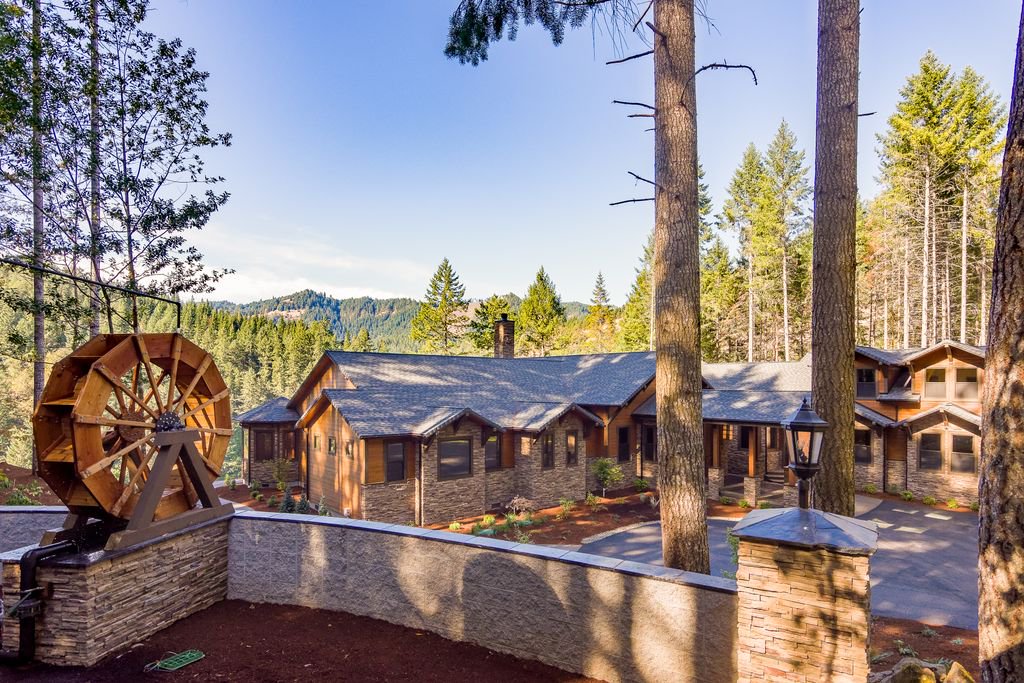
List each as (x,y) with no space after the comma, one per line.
(600,319)
(540,316)
(481,327)
(441,321)
(362,341)
(635,321)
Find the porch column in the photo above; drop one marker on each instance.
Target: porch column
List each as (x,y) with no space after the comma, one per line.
(716,474)
(752,482)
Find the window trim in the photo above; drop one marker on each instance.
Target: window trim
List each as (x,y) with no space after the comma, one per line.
(350,449)
(953,452)
(572,455)
(332,445)
(469,442)
(975,385)
(934,384)
(870,387)
(921,450)
(387,462)
(316,442)
(858,446)
(547,450)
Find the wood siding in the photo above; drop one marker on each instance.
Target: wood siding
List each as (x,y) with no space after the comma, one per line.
(335,477)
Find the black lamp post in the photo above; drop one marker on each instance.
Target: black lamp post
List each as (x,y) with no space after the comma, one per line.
(804,432)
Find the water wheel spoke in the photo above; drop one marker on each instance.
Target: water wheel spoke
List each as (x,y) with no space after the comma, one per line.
(102,464)
(175,357)
(195,380)
(201,408)
(154,392)
(115,422)
(218,432)
(154,383)
(128,490)
(110,409)
(115,382)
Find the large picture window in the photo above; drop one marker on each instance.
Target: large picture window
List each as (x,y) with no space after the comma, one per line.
(572,447)
(454,458)
(929,456)
(492,453)
(745,436)
(866,386)
(967,384)
(547,452)
(862,446)
(965,454)
(623,454)
(935,383)
(394,456)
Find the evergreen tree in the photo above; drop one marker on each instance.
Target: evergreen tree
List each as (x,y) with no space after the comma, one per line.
(635,321)
(441,321)
(362,341)
(481,327)
(600,320)
(540,316)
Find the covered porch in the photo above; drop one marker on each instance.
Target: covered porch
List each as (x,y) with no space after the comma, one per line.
(270,443)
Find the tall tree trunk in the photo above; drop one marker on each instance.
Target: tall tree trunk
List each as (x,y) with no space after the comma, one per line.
(963,268)
(785,304)
(38,234)
(1001,486)
(936,330)
(94,166)
(906,293)
(983,304)
(750,309)
(677,291)
(834,256)
(924,258)
(947,332)
(885,319)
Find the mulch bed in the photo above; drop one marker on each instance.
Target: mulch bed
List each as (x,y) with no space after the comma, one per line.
(939,505)
(245,642)
(242,496)
(929,642)
(619,509)
(20,476)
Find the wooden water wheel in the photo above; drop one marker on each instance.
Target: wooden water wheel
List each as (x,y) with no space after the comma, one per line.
(97,423)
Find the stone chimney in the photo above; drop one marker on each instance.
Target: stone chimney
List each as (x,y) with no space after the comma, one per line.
(504,337)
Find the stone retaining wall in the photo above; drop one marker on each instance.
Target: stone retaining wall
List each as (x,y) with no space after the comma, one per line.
(101,602)
(22,525)
(609,619)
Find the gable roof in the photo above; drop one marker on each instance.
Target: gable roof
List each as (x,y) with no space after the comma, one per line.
(274,411)
(873,416)
(977,351)
(740,406)
(779,376)
(946,408)
(902,357)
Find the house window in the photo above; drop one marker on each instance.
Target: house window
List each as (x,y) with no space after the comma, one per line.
(394,460)
(650,443)
(745,437)
(624,444)
(967,384)
(332,446)
(547,453)
(935,383)
(965,454)
(866,386)
(316,442)
(862,446)
(571,447)
(492,453)
(773,438)
(454,458)
(727,433)
(349,449)
(929,456)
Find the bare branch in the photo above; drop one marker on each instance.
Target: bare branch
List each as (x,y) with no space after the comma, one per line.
(649,5)
(639,116)
(726,65)
(630,201)
(868,113)
(626,59)
(654,30)
(641,178)
(634,104)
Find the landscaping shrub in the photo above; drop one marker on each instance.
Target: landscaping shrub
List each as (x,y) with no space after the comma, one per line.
(726,500)
(5,481)
(476,529)
(272,502)
(520,504)
(302,507)
(21,495)
(232,483)
(640,484)
(510,520)
(593,502)
(488,520)
(907,495)
(974,505)
(455,526)
(254,491)
(566,504)
(744,503)
(608,473)
(953,504)
(929,500)
(520,536)
(763,505)
(871,488)
(321,508)
(258,497)
(287,504)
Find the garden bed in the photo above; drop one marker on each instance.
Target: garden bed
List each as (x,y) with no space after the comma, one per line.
(937,504)
(246,642)
(889,636)
(19,487)
(270,497)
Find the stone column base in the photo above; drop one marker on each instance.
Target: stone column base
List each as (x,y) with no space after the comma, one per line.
(716,479)
(790,496)
(752,490)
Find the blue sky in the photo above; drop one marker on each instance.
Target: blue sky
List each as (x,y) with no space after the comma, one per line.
(362,156)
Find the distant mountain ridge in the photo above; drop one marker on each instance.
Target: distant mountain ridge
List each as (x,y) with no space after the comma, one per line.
(387,320)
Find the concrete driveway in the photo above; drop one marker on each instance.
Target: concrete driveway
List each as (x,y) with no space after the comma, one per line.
(926,567)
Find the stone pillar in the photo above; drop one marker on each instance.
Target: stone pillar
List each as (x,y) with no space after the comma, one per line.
(790,496)
(716,479)
(804,596)
(752,489)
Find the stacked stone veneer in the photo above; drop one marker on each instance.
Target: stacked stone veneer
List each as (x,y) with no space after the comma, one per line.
(874,472)
(22,525)
(545,486)
(499,487)
(943,483)
(389,501)
(453,498)
(895,476)
(804,614)
(102,602)
(605,618)
(262,471)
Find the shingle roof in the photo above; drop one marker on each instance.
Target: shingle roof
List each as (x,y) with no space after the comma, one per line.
(275,410)
(873,416)
(902,389)
(905,356)
(751,407)
(792,376)
(949,408)
(978,351)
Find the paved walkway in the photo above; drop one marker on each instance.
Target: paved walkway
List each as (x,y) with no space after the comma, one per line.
(925,568)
